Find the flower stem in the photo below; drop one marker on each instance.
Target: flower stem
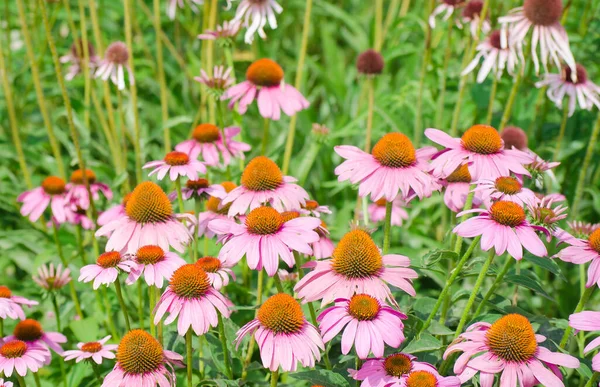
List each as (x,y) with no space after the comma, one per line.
(490,112)
(593,380)
(122,303)
(439,114)
(387,226)
(370,109)
(278,283)
(250,350)
(265,138)
(161,78)
(511,98)
(582,172)
(585,296)
(274,378)
(468,206)
(107,307)
(79,239)
(425,60)
(1,328)
(36,378)
(21,381)
(223,338)
(159,328)
(179,195)
(210,54)
(188,350)
(56,311)
(66,264)
(561,133)
(497,281)
(96,371)
(140,293)
(152,300)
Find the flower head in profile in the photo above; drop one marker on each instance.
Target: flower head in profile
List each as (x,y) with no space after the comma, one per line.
(263,183)
(78,194)
(357,266)
(51,278)
(588,321)
(457,188)
(367,323)
(510,349)
(504,227)
(516,137)
(312,207)
(176,164)
(172,6)
(283,335)
(543,17)
(77,216)
(4,383)
(377,211)
(191,300)
(323,248)
(582,251)
(114,64)
(19,356)
(95,351)
(106,269)
(220,80)
(142,361)
(214,210)
(149,219)
(75,58)
(155,264)
(115,212)
(255,14)
(213,146)
(52,192)
(264,81)
(545,212)
(218,272)
(265,237)
(229,29)
(393,167)
(11,305)
(447,7)
(370,63)
(508,188)
(496,58)
(582,229)
(31,332)
(199,189)
(471,15)
(482,148)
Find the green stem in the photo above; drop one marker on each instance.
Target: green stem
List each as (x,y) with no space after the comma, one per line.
(582,172)
(97,372)
(511,98)
(21,381)
(179,195)
(161,76)
(274,378)
(494,286)
(250,350)
(358,364)
(210,53)
(152,300)
(490,112)
(36,378)
(539,102)
(140,293)
(107,307)
(387,226)
(188,350)
(63,371)
(200,357)
(79,239)
(122,303)
(265,137)
(593,380)
(159,328)
(223,338)
(278,283)
(197,207)
(85,64)
(468,206)
(585,296)
(1,328)
(378,34)
(56,312)
(370,109)
(66,264)
(424,61)
(439,114)
(561,133)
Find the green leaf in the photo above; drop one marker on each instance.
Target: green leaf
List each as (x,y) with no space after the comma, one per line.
(424,343)
(529,283)
(322,377)
(547,264)
(86,329)
(435,256)
(439,330)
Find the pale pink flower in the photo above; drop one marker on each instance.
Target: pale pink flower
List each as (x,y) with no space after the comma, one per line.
(77,192)
(457,188)
(471,15)
(546,214)
(581,229)
(228,29)
(31,332)
(588,322)
(283,335)
(510,349)
(173,4)
(113,213)
(393,167)
(377,211)
(447,7)
(214,210)
(4,383)
(11,305)
(20,356)
(582,251)
(75,58)
(220,80)
(312,207)
(209,143)
(218,272)
(199,189)
(256,14)
(284,275)
(323,248)
(114,64)
(95,350)
(78,217)
(52,192)
(106,269)
(176,164)
(506,188)
(50,278)
(155,264)
(496,58)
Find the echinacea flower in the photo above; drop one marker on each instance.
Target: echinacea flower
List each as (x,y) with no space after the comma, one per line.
(504,227)
(149,219)
(106,269)
(370,63)
(31,332)
(256,14)
(114,64)
(514,136)
(52,192)
(368,325)
(263,183)
(173,4)
(10,305)
(51,278)
(95,351)
(115,212)
(480,147)
(142,361)
(78,194)
(155,264)
(377,211)
(506,188)
(199,189)
(214,210)
(6,383)
(264,81)
(191,300)
(393,167)
(75,58)
(448,7)
(264,238)
(471,15)
(581,229)
(213,146)
(510,348)
(496,58)
(323,248)
(588,322)
(401,370)
(220,80)
(284,276)
(283,335)
(580,89)
(312,207)
(228,29)
(78,217)
(176,164)
(582,251)
(543,16)
(218,272)
(357,266)
(543,212)
(457,188)
(20,356)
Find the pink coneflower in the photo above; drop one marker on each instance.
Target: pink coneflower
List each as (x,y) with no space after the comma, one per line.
(155,264)
(588,322)
(31,332)
(50,278)
(199,189)
(394,166)
(78,217)
(191,300)
(218,272)
(284,275)
(10,305)
(173,4)
(142,361)
(458,187)
(283,335)
(6,383)
(543,16)
(115,212)
(471,15)
(496,59)
(514,136)
(264,238)
(579,89)
(505,227)
(214,210)
(95,350)
(543,212)
(207,142)
(52,192)
(357,266)
(448,7)
(256,14)
(482,148)
(263,183)
(368,325)
(114,64)
(264,81)
(106,269)
(75,59)
(312,207)
(582,251)
(221,79)
(20,356)
(581,229)
(509,347)
(149,219)
(176,164)
(377,211)
(228,29)
(78,192)
(506,188)
(323,248)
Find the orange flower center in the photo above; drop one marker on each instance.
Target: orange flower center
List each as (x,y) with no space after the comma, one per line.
(176,158)
(508,185)
(209,264)
(206,133)
(139,352)
(363,307)
(13,349)
(262,174)
(421,379)
(507,213)
(357,255)
(149,204)
(28,330)
(190,281)
(213,203)
(543,12)
(281,313)
(77,176)
(512,338)
(150,255)
(594,240)
(265,72)
(397,365)
(311,205)
(289,215)
(264,221)
(54,185)
(5,292)
(460,175)
(395,150)
(381,202)
(197,184)
(482,139)
(125,199)
(92,347)
(109,259)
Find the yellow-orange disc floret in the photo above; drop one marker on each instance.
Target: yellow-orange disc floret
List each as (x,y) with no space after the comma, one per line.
(262,174)
(363,307)
(54,185)
(149,204)
(150,255)
(109,259)
(460,175)
(209,264)
(482,139)
(512,338)
(264,72)
(508,185)
(190,281)
(206,133)
(28,330)
(357,255)
(176,158)
(507,213)
(264,221)
(77,176)
(5,292)
(421,379)
(289,215)
(92,347)
(13,349)
(139,352)
(397,365)
(594,240)
(281,313)
(395,150)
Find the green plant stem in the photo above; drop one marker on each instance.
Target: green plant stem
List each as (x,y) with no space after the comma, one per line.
(152,300)
(107,306)
(63,371)
(197,208)
(490,112)
(593,380)
(56,311)
(425,60)
(511,99)
(179,195)
(66,264)
(251,343)
(159,327)
(188,350)
(439,114)
(122,303)
(585,296)
(494,286)
(387,226)
(584,169)
(79,239)
(85,63)
(140,293)
(358,363)
(200,357)
(278,283)
(1,328)
(370,109)
(561,133)
(21,381)
(468,206)
(97,372)
(274,378)
(265,137)
(210,55)
(161,77)
(36,378)
(378,34)
(223,338)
